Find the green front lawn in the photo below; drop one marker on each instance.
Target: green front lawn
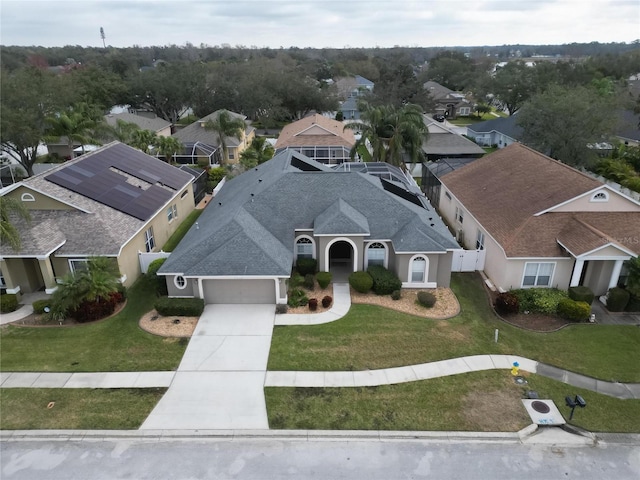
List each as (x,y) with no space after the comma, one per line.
(113,345)
(479,401)
(76,409)
(371,337)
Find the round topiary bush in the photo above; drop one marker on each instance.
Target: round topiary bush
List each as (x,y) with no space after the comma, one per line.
(326,301)
(506,304)
(361,281)
(396,295)
(313,304)
(309,281)
(426,299)
(323,279)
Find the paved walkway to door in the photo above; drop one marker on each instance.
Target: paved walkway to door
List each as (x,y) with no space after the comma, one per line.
(219,383)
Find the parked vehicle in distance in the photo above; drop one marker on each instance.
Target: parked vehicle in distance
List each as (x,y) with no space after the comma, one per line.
(439,117)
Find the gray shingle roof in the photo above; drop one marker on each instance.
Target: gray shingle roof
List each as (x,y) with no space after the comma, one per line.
(249,227)
(450,144)
(196,132)
(145,123)
(504,125)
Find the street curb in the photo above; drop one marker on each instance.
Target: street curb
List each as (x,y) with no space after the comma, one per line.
(229,435)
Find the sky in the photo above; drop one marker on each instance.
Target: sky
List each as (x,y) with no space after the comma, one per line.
(318,23)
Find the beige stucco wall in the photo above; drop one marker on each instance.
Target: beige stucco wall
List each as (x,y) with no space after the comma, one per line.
(41,201)
(322,242)
(23,272)
(616,203)
(191,290)
(162,230)
(439,270)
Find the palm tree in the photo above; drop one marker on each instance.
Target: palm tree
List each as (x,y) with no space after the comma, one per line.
(390,133)
(168,147)
(81,123)
(8,232)
(258,152)
(143,139)
(226,126)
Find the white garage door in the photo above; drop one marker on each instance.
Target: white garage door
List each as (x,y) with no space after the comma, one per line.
(239,291)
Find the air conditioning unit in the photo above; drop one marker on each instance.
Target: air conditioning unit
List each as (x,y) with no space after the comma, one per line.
(543,412)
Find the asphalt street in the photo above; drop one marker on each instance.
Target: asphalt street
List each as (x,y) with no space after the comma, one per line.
(272,458)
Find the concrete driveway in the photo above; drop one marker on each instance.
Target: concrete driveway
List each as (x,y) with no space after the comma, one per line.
(219,383)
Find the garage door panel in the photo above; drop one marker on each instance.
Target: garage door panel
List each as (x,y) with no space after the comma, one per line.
(239,291)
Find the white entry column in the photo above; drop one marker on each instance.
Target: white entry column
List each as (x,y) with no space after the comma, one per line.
(615,275)
(577,273)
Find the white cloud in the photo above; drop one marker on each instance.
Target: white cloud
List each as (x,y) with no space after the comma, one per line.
(318,23)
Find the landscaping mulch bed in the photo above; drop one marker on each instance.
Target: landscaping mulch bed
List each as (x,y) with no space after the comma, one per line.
(536,322)
(446,306)
(41,320)
(172,326)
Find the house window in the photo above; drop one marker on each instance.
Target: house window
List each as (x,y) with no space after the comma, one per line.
(149,241)
(600,197)
(77,265)
(418,269)
(538,274)
(172,212)
(180,282)
(232,154)
(376,253)
(27,197)
(184,194)
(304,248)
(448,195)
(480,241)
(459,215)
(3,284)
(465,110)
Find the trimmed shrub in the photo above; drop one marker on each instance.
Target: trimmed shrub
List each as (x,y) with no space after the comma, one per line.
(361,281)
(295,281)
(327,301)
(575,311)
(180,307)
(633,305)
(539,300)
(581,294)
(396,295)
(323,279)
(160,281)
(306,266)
(313,304)
(507,303)
(384,281)
(297,298)
(617,299)
(282,308)
(8,303)
(40,305)
(309,281)
(426,299)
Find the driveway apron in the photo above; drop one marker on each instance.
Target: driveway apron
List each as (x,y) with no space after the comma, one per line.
(219,383)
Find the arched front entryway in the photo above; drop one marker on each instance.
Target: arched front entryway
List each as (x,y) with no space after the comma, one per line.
(341,256)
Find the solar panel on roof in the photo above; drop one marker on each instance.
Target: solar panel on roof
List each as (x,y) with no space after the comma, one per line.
(91,177)
(400,192)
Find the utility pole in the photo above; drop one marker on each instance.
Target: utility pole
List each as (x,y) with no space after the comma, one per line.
(102,36)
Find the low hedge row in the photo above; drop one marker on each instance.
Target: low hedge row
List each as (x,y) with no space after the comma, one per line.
(617,299)
(575,311)
(361,281)
(8,302)
(323,279)
(181,307)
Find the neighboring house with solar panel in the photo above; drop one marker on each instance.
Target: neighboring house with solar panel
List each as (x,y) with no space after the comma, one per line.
(319,138)
(249,237)
(114,202)
(541,222)
(202,146)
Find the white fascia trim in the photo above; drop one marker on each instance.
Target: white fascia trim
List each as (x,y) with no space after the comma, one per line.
(230,277)
(37,257)
(590,192)
(540,259)
(567,249)
(56,198)
(329,132)
(480,225)
(86,255)
(423,253)
(610,244)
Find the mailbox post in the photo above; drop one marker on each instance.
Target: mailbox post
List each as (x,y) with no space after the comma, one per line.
(574,402)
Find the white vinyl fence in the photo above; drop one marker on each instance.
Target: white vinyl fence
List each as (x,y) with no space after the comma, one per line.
(146,258)
(468,260)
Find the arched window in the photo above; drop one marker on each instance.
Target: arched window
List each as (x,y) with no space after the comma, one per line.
(180,282)
(376,253)
(304,248)
(418,270)
(27,197)
(600,197)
